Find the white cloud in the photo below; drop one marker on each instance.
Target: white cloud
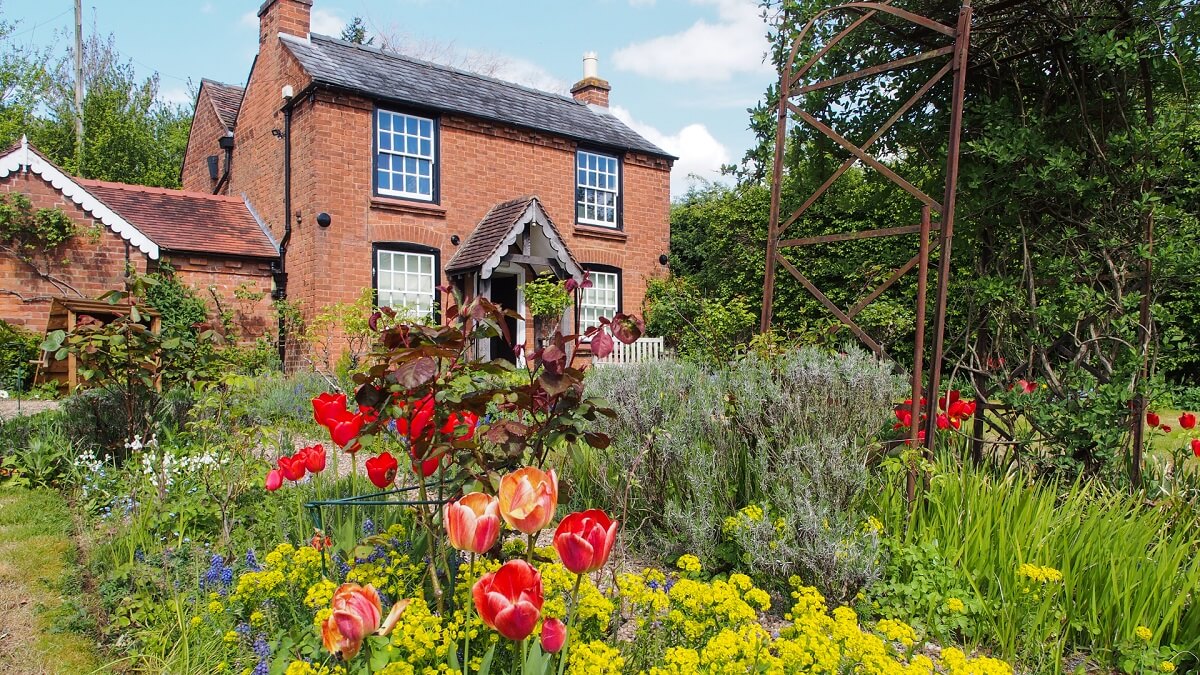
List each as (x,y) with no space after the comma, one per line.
(528,73)
(175,96)
(699,153)
(325,22)
(705,51)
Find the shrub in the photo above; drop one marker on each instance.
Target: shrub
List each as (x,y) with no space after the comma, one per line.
(692,447)
(17,348)
(698,329)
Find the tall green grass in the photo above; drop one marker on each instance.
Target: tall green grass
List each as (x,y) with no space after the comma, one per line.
(1126,562)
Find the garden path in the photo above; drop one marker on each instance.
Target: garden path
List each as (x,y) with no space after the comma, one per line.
(10,408)
(41,629)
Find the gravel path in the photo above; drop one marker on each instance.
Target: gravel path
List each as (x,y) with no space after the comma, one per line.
(11,407)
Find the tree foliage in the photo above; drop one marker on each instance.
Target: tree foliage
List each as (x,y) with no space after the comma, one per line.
(130,135)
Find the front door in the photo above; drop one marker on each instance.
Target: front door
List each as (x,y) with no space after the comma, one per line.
(506,293)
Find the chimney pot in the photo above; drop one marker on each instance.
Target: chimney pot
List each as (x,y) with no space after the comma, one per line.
(591,89)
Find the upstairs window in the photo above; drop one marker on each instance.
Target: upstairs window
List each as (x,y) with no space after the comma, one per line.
(602,299)
(406,279)
(597,189)
(405,155)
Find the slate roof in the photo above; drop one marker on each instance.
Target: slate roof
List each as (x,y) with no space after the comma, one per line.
(402,79)
(186,221)
(490,233)
(226,98)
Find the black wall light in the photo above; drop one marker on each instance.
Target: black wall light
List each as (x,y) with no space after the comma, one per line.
(324,219)
(662,259)
(454,239)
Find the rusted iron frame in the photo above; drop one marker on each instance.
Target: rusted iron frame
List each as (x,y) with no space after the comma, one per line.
(864,157)
(961,41)
(833,308)
(875,70)
(852,236)
(845,166)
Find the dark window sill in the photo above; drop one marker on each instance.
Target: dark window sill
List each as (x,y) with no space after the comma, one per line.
(406,206)
(596,232)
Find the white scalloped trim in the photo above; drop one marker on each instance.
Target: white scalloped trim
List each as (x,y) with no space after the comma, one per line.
(534,213)
(25,158)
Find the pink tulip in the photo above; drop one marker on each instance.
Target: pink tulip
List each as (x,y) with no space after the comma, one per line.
(554,635)
(473,522)
(584,540)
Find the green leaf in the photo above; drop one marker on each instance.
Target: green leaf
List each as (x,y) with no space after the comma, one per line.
(485,665)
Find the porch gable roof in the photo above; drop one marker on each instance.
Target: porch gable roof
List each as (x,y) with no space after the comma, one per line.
(487,245)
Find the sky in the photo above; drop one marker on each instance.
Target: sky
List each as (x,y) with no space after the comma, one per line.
(683,72)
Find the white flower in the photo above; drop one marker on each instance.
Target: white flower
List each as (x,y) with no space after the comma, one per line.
(3,394)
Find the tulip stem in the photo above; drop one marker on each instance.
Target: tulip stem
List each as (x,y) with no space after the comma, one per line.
(562,659)
(529,550)
(467,624)
(427,521)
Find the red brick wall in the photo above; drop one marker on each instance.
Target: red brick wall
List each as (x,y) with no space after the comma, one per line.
(241,286)
(207,131)
(481,164)
(90,264)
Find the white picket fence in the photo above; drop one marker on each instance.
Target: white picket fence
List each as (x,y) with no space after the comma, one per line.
(645,349)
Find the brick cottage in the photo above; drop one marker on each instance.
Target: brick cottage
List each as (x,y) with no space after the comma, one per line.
(213,242)
(376,170)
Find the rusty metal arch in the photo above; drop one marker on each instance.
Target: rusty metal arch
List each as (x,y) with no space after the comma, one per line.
(790,86)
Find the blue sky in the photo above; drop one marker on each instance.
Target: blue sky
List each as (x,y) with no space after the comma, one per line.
(683,72)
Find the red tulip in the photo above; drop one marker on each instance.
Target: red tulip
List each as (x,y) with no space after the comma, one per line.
(1187,420)
(292,467)
(949,399)
(417,424)
(554,635)
(1166,428)
(274,480)
(327,406)
(314,458)
(584,540)
(458,420)
(382,470)
(1152,419)
(356,614)
(528,498)
(473,522)
(346,428)
(904,417)
(943,422)
(1196,447)
(425,467)
(509,600)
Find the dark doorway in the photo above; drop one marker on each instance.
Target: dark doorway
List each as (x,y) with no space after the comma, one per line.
(504,293)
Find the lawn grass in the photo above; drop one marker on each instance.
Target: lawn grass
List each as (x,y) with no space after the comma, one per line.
(44,625)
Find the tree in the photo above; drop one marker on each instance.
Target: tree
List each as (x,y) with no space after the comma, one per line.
(129,135)
(356,32)
(24,79)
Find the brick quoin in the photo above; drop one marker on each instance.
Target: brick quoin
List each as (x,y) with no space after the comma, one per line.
(480,163)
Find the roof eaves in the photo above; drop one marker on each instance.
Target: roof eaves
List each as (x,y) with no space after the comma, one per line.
(27,158)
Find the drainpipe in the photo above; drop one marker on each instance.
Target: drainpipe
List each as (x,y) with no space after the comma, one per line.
(226,144)
(281,272)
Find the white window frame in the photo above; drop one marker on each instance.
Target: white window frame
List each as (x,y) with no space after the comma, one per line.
(594,180)
(410,282)
(416,154)
(588,298)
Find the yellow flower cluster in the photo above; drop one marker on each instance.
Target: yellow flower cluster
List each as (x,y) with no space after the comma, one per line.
(1039,573)
(1167,667)
(1142,633)
(897,631)
(957,663)
(305,668)
(595,658)
(287,573)
(688,563)
(594,611)
(955,605)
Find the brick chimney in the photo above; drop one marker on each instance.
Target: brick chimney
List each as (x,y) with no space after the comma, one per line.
(284,16)
(591,89)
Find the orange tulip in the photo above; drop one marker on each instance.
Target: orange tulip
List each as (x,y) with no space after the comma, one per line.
(473,522)
(356,614)
(528,498)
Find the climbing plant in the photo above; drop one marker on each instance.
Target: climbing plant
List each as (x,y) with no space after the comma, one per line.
(26,231)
